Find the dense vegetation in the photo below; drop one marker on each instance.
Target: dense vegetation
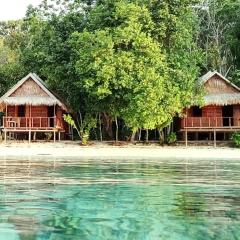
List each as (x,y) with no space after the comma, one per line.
(123,66)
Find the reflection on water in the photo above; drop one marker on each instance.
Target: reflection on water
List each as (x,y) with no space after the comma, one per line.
(135,199)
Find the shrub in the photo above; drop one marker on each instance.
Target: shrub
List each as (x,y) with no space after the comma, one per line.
(171,138)
(83,129)
(48,136)
(236,139)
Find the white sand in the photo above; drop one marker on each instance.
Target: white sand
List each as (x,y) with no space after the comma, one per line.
(69,149)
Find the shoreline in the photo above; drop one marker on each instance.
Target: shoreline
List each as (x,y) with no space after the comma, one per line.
(104,151)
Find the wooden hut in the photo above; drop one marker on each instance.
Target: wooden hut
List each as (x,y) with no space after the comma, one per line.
(220,112)
(30,107)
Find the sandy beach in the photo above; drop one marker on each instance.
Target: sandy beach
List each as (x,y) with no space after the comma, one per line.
(73,149)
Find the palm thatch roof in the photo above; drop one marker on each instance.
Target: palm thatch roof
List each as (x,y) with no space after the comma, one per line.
(220,98)
(202,80)
(46,98)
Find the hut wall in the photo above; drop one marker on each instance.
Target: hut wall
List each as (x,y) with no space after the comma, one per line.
(218,85)
(59,115)
(212,111)
(211,117)
(236,115)
(39,112)
(10,111)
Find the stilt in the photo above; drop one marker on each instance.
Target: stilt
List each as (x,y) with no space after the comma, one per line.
(54,136)
(186,138)
(215,138)
(34,136)
(196,136)
(29,136)
(210,136)
(59,136)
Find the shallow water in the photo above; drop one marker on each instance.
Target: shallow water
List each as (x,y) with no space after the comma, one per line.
(119,199)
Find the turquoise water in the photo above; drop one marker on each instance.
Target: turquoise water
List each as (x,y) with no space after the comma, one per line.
(119,199)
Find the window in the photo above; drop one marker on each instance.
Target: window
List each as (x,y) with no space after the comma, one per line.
(21,111)
(197,112)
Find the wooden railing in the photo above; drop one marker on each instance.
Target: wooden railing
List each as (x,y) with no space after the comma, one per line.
(31,122)
(211,122)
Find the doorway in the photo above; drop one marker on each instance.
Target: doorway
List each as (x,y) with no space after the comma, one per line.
(51,115)
(227,114)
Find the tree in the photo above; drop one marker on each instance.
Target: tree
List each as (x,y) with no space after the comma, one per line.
(147,76)
(218,34)
(12,36)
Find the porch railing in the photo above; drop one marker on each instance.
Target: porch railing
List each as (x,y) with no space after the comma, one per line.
(211,122)
(31,122)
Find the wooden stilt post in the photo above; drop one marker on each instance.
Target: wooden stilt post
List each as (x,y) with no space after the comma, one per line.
(54,136)
(215,138)
(29,136)
(196,136)
(186,138)
(59,136)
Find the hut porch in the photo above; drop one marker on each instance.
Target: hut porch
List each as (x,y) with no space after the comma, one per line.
(212,120)
(32,119)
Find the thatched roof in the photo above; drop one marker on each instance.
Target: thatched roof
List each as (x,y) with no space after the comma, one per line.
(202,80)
(34,101)
(220,98)
(46,98)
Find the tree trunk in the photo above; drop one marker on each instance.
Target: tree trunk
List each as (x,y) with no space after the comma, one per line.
(116,121)
(133,135)
(168,129)
(100,128)
(161,136)
(108,125)
(147,136)
(140,135)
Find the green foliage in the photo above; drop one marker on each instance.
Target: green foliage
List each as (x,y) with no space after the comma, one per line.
(84,127)
(68,119)
(236,139)
(130,66)
(218,35)
(12,35)
(48,136)
(171,138)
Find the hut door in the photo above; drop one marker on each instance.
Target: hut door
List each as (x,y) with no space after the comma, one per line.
(51,114)
(227,114)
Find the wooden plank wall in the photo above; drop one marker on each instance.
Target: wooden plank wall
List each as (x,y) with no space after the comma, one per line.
(213,112)
(40,111)
(236,115)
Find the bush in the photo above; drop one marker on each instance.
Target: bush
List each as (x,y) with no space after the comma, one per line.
(48,136)
(236,139)
(84,129)
(171,138)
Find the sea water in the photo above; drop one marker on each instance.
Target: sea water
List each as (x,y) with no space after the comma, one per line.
(100,199)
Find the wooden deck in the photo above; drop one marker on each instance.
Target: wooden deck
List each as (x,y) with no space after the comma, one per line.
(209,125)
(32,125)
(211,122)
